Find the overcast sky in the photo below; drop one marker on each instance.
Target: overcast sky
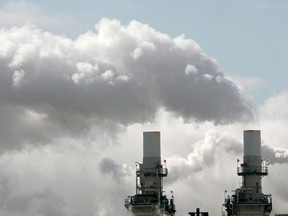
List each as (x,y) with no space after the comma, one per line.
(81,81)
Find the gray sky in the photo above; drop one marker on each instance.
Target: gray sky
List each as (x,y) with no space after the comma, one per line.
(81,81)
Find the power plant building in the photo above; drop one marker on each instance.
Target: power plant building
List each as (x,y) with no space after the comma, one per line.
(248,200)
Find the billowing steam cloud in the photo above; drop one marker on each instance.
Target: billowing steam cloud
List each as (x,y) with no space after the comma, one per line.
(39,203)
(52,86)
(214,144)
(72,92)
(203,154)
(60,180)
(275,114)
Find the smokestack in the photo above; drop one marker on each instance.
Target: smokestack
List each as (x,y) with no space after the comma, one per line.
(252,161)
(252,143)
(249,199)
(149,198)
(151,149)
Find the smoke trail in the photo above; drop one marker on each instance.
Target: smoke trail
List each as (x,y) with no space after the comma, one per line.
(275,155)
(203,155)
(114,76)
(110,167)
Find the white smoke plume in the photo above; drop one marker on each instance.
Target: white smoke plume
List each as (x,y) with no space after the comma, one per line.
(109,78)
(214,145)
(110,167)
(61,180)
(274,155)
(275,117)
(203,155)
(56,90)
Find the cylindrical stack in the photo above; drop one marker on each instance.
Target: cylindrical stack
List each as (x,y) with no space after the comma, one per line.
(149,198)
(252,160)
(151,149)
(249,199)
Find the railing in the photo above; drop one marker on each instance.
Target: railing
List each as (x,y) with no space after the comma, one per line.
(144,200)
(265,199)
(257,170)
(162,172)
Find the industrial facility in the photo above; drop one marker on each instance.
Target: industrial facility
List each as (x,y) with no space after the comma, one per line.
(249,200)
(149,198)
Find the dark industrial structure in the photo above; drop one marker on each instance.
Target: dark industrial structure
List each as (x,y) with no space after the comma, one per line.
(198,213)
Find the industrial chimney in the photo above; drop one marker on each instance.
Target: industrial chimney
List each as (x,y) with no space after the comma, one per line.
(249,199)
(149,198)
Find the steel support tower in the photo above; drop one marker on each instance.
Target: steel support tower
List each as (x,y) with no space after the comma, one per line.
(149,198)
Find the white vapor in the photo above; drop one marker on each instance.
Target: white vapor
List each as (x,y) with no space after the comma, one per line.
(203,154)
(58,180)
(110,167)
(215,144)
(64,103)
(118,75)
(275,155)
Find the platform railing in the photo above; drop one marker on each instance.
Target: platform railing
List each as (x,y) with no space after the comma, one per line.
(257,170)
